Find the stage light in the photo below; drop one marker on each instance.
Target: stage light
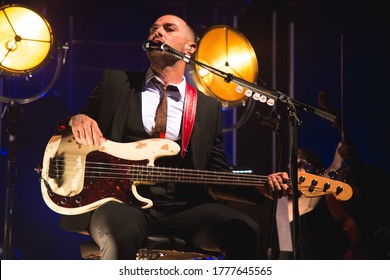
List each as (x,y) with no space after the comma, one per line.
(226,49)
(26,44)
(26,41)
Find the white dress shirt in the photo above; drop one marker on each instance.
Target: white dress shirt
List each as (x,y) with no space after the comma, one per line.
(151,95)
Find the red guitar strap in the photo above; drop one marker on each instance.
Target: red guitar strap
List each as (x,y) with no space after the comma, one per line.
(188,117)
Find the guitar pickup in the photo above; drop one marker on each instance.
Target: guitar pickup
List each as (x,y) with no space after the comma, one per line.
(56,167)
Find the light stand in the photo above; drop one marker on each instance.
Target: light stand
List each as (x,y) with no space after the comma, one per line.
(294,121)
(26,41)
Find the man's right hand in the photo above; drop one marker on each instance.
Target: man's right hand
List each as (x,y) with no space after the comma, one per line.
(86,130)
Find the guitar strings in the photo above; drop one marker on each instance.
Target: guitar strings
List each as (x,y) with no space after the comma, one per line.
(155,174)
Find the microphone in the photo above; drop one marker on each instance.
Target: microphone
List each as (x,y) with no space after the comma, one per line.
(149,46)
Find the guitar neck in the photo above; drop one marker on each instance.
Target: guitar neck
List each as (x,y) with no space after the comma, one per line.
(144,174)
(176,175)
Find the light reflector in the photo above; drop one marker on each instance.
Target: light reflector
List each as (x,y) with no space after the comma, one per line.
(26,41)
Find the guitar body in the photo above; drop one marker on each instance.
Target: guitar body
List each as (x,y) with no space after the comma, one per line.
(67,190)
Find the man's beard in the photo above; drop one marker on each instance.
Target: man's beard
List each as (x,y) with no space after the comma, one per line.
(162,58)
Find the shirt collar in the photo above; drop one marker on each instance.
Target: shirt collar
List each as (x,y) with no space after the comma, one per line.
(181,86)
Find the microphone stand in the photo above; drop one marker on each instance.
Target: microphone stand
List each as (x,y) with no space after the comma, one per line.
(268,92)
(294,121)
(14,113)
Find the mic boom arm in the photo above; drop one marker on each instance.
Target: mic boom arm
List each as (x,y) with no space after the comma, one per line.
(228,77)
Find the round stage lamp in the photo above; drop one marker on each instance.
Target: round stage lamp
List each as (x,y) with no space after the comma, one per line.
(26,41)
(226,49)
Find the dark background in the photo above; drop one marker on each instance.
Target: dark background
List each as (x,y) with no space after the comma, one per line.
(109,34)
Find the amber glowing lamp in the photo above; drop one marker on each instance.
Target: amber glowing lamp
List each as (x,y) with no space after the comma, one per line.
(226,49)
(26,41)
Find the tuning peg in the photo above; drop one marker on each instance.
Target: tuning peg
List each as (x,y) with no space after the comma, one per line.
(308,168)
(321,171)
(333,174)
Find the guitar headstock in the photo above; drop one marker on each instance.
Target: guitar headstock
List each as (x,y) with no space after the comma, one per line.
(313,185)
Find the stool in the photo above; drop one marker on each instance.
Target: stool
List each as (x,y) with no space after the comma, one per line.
(156,247)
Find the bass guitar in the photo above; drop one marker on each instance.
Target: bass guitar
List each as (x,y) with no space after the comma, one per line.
(78,178)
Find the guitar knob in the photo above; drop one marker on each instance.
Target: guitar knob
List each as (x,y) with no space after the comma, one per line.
(313,185)
(321,171)
(326,186)
(339,189)
(308,168)
(333,174)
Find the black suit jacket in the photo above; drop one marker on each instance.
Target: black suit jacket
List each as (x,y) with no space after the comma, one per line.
(117,98)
